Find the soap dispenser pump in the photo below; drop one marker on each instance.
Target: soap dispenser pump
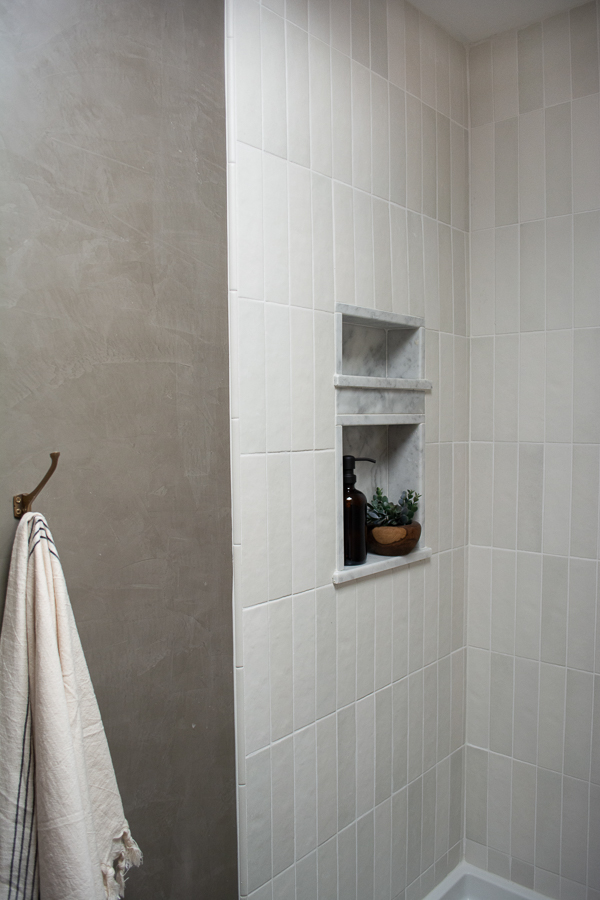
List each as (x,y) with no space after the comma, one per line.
(355,514)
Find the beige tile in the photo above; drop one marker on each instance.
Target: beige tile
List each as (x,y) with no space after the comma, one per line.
(326,779)
(559,272)
(504,65)
(360,32)
(382,255)
(346,765)
(247,75)
(297,95)
(326,651)
(526,710)
(586,268)
(383,632)
(430,612)
(256,678)
(304,658)
(480,597)
(575,811)
(343,213)
(582,609)
(341,110)
(322,249)
(478,697)
(522,832)
(586,372)
(305,786)
(482,388)
(559,385)
(279,516)
(558,160)
(531,387)
(443,168)
(532,200)
(303,522)
(505,495)
(482,283)
(554,610)
(584,50)
(383,745)
(428,125)
(361,135)
(586,153)
(531,88)
(476,795)
(529,600)
(503,601)
(557,505)
(399,827)
(379,50)
(414,229)
(507,279)
(365,630)
(397,102)
(427,52)
(273,94)
(557,59)
(275,224)
(277,361)
(380,138)
(365,754)
(341,30)
(551,717)
(480,78)
(506,387)
(395,35)
(578,723)
(300,227)
(501,706)
(363,249)
(416,595)
(506,155)
(258,789)
(346,645)
(412,50)
(459,148)
(282,798)
(442,71)
(414,179)
(325,516)
(482,177)
(431,273)
(458,83)
(481,481)
(415,725)
(253,582)
(327,866)
(457,724)
(499,790)
(399,245)
(460,261)
(532,266)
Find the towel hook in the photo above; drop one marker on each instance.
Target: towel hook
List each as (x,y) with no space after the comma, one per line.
(22,502)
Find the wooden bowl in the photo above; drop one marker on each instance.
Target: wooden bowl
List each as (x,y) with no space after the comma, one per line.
(391,540)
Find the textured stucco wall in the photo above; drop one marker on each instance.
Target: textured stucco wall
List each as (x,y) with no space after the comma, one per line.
(114,345)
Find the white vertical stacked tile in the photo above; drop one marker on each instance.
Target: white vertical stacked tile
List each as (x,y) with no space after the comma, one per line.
(347,156)
(533,710)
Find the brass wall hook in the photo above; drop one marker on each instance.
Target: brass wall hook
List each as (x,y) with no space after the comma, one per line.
(22,502)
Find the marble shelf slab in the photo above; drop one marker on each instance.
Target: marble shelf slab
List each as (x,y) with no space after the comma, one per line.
(360,315)
(374,383)
(381,419)
(376,564)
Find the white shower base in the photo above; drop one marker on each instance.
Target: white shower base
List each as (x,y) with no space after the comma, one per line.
(467,882)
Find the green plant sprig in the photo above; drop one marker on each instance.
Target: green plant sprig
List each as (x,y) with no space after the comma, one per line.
(382,511)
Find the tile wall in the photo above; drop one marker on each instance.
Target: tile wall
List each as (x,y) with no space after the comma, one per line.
(348,181)
(533,720)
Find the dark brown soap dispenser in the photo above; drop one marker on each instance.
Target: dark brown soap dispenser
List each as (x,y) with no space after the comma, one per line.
(355,515)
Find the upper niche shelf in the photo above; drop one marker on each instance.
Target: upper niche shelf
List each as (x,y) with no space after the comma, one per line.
(379,368)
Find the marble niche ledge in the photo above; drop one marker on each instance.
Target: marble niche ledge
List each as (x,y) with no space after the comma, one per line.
(373,383)
(376,564)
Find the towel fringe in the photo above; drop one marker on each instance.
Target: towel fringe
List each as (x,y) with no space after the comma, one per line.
(124,854)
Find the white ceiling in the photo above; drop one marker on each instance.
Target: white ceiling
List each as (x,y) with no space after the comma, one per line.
(473,20)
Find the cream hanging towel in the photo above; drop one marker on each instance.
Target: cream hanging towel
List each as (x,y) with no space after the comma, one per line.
(63,833)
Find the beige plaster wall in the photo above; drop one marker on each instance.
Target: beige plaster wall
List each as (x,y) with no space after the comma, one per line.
(113,328)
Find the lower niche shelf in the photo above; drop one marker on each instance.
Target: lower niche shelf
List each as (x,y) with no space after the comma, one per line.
(376,564)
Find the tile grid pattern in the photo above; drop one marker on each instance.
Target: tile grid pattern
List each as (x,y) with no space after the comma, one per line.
(533,692)
(347,171)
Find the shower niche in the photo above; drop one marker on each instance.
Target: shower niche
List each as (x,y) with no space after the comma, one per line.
(380,413)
